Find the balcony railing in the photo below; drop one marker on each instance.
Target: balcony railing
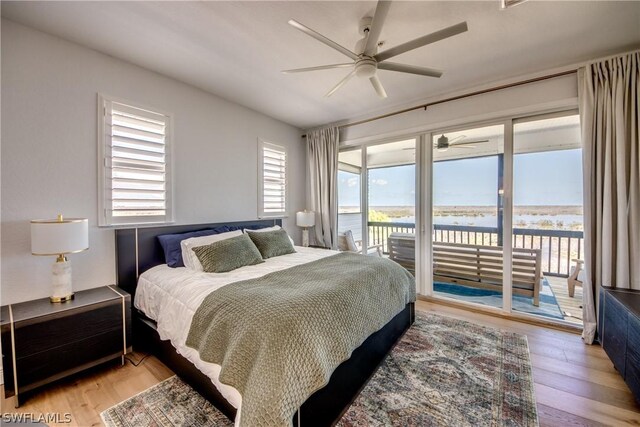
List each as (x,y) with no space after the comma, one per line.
(558,247)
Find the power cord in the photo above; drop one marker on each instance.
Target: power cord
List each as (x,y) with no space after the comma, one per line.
(139,362)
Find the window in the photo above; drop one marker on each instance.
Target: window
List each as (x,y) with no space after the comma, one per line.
(272,176)
(135,163)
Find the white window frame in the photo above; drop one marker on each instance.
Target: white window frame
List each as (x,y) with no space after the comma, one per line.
(262,144)
(105,217)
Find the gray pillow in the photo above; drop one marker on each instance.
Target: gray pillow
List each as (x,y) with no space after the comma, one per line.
(229,254)
(272,243)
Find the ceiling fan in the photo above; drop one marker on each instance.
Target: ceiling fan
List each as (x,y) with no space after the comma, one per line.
(444,143)
(366,59)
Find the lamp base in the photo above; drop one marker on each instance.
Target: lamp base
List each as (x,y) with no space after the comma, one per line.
(62,290)
(305,237)
(61,299)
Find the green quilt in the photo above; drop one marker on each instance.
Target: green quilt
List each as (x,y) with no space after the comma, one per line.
(279,337)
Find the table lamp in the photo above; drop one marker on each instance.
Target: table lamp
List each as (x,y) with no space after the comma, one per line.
(59,237)
(305,220)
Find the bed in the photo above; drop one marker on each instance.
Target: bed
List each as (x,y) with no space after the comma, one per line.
(141,272)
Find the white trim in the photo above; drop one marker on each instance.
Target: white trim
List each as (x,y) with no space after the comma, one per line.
(364,200)
(507,216)
(427,213)
(420,229)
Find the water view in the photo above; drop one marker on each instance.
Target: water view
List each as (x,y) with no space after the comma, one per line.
(538,217)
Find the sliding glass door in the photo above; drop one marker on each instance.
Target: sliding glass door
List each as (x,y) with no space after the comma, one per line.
(504,203)
(350,197)
(377,201)
(391,201)
(467,214)
(547,217)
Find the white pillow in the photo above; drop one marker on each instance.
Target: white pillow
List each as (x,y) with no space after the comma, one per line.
(274,228)
(189,257)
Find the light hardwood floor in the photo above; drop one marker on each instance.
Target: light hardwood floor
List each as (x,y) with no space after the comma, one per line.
(575,384)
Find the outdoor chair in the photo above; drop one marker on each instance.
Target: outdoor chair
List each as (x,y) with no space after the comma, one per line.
(574,278)
(346,243)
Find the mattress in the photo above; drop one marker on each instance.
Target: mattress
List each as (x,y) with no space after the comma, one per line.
(170,296)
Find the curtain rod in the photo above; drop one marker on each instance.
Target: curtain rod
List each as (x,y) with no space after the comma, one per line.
(455,98)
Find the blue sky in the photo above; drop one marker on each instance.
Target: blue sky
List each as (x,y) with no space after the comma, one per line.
(546,178)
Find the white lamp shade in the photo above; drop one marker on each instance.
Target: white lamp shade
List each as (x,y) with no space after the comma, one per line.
(54,237)
(305,219)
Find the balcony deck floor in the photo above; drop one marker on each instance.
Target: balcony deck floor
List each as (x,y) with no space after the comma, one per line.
(571,307)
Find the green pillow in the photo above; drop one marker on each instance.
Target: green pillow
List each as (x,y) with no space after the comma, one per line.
(272,243)
(228,254)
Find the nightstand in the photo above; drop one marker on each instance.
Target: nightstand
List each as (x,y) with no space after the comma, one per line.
(43,341)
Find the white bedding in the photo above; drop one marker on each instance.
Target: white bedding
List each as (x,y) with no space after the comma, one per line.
(170,296)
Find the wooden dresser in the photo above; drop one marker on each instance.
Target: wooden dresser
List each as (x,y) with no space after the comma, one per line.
(43,341)
(619,329)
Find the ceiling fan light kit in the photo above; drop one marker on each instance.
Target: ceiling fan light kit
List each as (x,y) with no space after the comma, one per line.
(366,59)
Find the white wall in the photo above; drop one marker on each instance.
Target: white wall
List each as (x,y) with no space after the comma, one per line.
(49,152)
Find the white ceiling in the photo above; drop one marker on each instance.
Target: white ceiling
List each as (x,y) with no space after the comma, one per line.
(237,49)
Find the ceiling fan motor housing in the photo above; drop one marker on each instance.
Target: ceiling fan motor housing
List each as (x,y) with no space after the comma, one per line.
(366,67)
(442,143)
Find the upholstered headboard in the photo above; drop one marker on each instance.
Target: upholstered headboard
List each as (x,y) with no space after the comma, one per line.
(138,249)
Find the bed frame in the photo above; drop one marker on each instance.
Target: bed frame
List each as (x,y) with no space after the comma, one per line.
(138,249)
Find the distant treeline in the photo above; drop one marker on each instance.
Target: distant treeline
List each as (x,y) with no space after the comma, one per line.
(470,211)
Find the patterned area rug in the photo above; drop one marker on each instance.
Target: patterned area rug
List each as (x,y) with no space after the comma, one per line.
(444,372)
(170,403)
(448,372)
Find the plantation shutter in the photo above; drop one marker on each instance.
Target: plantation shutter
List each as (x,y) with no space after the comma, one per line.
(136,167)
(273,197)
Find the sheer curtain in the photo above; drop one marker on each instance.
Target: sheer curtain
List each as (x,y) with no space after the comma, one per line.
(609,95)
(322,162)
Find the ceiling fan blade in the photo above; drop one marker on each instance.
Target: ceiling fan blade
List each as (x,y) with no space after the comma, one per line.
(308,31)
(377,85)
(321,67)
(422,71)
(470,142)
(376,27)
(465,147)
(422,41)
(341,83)
(457,138)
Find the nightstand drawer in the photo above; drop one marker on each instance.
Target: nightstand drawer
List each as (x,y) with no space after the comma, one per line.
(49,332)
(57,362)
